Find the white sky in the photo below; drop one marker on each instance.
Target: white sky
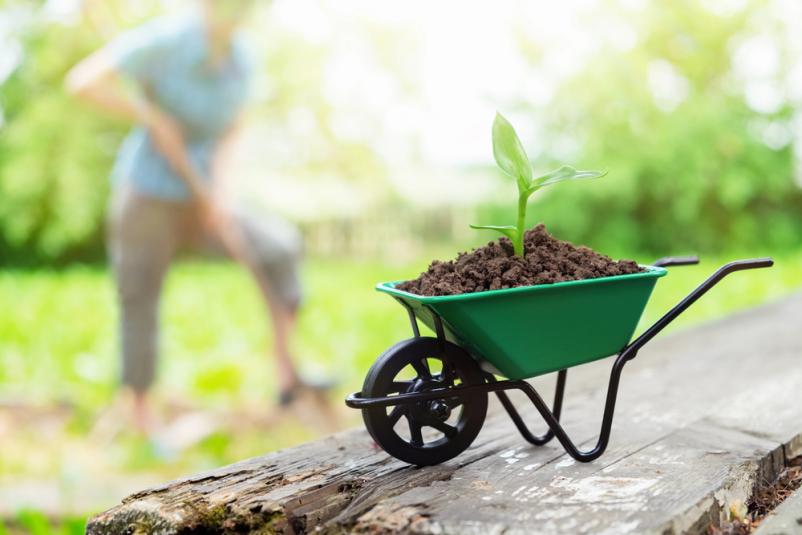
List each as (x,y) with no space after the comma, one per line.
(429,114)
(464,62)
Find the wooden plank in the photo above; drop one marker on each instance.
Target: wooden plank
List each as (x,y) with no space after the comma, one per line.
(702,415)
(656,489)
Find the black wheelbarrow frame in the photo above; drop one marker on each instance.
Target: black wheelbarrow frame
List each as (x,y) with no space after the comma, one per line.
(552,415)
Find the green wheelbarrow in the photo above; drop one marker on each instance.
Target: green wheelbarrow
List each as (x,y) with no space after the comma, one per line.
(424,400)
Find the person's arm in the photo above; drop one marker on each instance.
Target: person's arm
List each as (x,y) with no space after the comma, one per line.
(96,80)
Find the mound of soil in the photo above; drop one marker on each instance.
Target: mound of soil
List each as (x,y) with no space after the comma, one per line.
(494,266)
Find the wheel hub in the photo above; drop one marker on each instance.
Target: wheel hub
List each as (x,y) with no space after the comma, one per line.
(439,410)
(436,409)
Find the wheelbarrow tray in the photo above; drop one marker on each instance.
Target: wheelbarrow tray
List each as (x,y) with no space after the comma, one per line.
(532,330)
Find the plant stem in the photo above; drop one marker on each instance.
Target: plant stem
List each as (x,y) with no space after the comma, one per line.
(518,243)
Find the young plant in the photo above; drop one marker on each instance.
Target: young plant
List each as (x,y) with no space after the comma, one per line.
(511,158)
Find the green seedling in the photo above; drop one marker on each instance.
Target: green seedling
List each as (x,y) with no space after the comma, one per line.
(513,161)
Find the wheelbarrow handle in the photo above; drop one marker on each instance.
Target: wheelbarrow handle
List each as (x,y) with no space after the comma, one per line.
(631,350)
(667,261)
(753,263)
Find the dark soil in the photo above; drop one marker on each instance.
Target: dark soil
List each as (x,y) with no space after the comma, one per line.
(492,267)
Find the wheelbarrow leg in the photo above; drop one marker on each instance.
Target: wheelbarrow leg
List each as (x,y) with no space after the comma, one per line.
(627,354)
(537,440)
(552,419)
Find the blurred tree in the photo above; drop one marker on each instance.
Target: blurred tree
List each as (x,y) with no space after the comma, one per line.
(692,166)
(55,154)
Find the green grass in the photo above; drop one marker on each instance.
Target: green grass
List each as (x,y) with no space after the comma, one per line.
(59,332)
(37,523)
(58,350)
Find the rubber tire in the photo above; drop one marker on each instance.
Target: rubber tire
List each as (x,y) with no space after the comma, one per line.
(378,383)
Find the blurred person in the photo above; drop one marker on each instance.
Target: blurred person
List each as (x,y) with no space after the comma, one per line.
(182,82)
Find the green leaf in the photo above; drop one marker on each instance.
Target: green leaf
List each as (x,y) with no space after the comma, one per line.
(509,153)
(508,230)
(566,172)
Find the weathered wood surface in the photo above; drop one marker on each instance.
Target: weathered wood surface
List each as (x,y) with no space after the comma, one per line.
(702,416)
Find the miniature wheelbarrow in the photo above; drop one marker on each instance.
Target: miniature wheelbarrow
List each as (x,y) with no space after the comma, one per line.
(440,385)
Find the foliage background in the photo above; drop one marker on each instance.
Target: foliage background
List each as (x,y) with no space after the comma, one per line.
(370,128)
(690,107)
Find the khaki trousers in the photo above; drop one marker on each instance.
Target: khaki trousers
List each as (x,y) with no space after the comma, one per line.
(144,235)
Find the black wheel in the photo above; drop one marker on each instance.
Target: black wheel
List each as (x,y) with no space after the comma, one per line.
(428,432)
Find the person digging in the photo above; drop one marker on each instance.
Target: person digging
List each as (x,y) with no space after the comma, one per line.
(182,83)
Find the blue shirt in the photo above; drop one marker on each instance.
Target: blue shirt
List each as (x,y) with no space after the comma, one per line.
(168,58)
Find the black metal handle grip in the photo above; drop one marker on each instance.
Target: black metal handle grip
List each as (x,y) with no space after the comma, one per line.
(667,261)
(738,265)
(752,263)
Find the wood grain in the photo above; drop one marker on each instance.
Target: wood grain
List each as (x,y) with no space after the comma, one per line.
(702,416)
